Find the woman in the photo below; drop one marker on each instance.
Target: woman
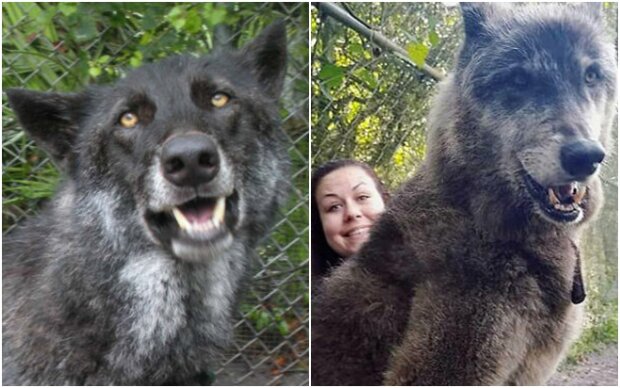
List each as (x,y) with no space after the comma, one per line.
(347,198)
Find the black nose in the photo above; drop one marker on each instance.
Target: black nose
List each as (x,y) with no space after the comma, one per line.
(190,160)
(581,158)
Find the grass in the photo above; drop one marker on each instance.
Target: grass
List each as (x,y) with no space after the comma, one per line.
(601,329)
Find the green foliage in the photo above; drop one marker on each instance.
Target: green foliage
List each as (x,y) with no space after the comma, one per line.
(418,53)
(64,46)
(367,104)
(433,38)
(601,329)
(25,186)
(266,319)
(331,75)
(72,39)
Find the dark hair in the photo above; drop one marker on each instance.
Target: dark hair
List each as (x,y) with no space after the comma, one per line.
(323,256)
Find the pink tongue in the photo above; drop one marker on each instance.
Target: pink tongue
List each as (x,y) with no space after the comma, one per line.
(197,214)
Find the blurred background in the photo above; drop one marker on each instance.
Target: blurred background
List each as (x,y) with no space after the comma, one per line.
(374,71)
(65,46)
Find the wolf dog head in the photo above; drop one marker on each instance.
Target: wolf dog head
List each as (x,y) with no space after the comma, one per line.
(521,126)
(190,148)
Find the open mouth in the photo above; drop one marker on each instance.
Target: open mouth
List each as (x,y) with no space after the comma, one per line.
(562,203)
(200,216)
(198,222)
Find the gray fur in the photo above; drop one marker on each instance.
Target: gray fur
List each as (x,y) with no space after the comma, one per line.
(93,292)
(465,280)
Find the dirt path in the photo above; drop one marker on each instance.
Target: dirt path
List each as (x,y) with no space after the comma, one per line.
(600,368)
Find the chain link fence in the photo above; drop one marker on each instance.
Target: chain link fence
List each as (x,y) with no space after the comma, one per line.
(361,89)
(370,103)
(65,46)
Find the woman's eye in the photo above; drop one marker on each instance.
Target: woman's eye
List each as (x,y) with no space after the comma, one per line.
(333,208)
(128,120)
(219,99)
(363,197)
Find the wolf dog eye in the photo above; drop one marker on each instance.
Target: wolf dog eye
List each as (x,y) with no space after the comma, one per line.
(592,75)
(520,78)
(219,99)
(128,120)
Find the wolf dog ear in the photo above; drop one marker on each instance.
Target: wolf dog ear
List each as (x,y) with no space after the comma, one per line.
(49,118)
(267,55)
(474,18)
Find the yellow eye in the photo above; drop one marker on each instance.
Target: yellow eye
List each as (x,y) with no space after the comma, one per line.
(219,99)
(128,120)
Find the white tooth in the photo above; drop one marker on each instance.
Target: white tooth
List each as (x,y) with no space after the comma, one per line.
(552,197)
(565,207)
(580,193)
(220,209)
(181,220)
(216,222)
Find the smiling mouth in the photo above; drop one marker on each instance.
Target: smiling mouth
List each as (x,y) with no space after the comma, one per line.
(200,222)
(361,231)
(562,203)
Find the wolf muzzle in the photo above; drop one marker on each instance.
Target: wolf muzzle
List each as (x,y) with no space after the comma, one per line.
(190,160)
(581,158)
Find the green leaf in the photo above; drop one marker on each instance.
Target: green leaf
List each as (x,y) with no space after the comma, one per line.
(86,29)
(146,38)
(67,9)
(178,24)
(175,12)
(94,71)
(283,328)
(136,59)
(418,53)
(150,20)
(433,37)
(193,22)
(331,75)
(177,17)
(263,320)
(367,77)
(103,59)
(356,49)
(217,16)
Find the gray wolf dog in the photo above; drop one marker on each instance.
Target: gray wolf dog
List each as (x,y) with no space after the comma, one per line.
(472,276)
(173,174)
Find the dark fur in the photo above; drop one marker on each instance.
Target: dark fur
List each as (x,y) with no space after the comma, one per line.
(463,280)
(90,295)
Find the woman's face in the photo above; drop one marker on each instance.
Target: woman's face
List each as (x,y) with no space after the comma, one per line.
(349,203)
